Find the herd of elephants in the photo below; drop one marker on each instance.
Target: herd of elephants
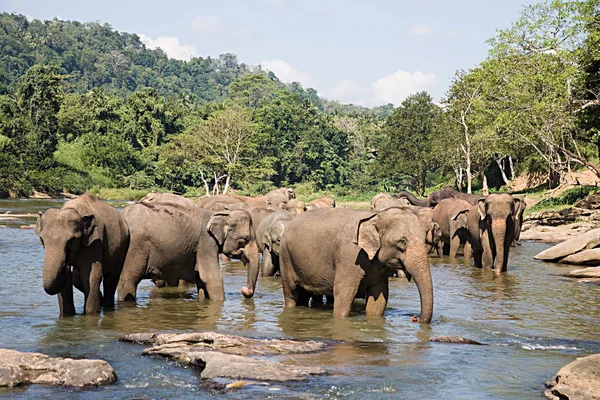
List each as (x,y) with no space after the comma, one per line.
(322,253)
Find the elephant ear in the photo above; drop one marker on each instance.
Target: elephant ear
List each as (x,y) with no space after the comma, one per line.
(38,224)
(367,237)
(217,227)
(89,227)
(461,217)
(519,206)
(481,208)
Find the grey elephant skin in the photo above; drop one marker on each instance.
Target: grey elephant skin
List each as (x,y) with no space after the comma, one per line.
(168,244)
(452,221)
(491,225)
(350,253)
(323,202)
(434,198)
(92,238)
(268,234)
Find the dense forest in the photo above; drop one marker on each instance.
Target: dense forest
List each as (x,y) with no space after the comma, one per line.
(83,106)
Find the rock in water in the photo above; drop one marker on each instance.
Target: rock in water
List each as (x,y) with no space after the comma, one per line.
(226,356)
(577,380)
(18,368)
(455,339)
(585,257)
(588,240)
(593,272)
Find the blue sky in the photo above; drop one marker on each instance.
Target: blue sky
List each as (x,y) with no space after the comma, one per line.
(365,52)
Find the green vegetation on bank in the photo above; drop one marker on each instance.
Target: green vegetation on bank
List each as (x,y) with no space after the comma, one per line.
(85,107)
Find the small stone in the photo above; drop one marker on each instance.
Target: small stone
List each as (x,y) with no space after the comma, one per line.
(456,340)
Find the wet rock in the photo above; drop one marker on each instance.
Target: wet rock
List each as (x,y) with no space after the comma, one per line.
(456,340)
(586,241)
(593,272)
(577,380)
(18,368)
(585,257)
(226,356)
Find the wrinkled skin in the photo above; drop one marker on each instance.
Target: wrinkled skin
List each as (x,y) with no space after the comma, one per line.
(425,214)
(168,199)
(92,238)
(217,203)
(295,207)
(452,225)
(323,202)
(269,233)
(380,197)
(430,201)
(491,225)
(362,249)
(279,197)
(170,245)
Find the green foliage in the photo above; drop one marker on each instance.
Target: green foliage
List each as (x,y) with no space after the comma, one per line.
(568,197)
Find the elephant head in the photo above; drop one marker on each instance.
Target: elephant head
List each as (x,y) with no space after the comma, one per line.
(396,239)
(234,234)
(498,212)
(62,233)
(434,234)
(271,239)
(295,207)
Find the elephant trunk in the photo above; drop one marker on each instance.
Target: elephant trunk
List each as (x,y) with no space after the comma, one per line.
(54,273)
(417,265)
(499,237)
(413,200)
(251,255)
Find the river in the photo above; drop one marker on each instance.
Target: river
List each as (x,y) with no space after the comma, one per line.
(533,320)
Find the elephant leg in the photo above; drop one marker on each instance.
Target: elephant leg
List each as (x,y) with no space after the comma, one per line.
(487,257)
(223,258)
(66,305)
(344,291)
(289,279)
(439,248)
(209,273)
(268,268)
(109,283)
(77,282)
(134,268)
(377,298)
(202,293)
(468,251)
(182,283)
(91,288)
(454,245)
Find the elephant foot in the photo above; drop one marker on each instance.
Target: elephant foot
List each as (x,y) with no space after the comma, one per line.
(248,293)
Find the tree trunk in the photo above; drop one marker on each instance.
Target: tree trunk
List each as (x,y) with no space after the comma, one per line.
(501,166)
(485,190)
(512,169)
(227,181)
(459,178)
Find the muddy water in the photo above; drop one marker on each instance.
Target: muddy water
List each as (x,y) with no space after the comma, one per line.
(533,321)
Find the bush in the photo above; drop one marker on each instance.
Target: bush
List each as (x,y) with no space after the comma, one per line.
(570,196)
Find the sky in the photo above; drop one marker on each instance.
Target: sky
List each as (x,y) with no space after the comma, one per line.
(362,52)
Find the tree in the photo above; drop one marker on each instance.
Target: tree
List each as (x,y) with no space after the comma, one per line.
(252,90)
(410,130)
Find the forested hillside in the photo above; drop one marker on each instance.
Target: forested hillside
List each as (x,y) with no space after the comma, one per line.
(84,106)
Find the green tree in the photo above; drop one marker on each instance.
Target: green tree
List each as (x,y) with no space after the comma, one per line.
(252,90)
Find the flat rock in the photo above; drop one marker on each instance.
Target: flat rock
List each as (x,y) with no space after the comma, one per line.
(593,272)
(560,217)
(554,234)
(577,380)
(227,356)
(17,368)
(585,257)
(455,340)
(586,241)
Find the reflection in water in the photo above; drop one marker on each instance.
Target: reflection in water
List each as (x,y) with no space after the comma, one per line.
(534,322)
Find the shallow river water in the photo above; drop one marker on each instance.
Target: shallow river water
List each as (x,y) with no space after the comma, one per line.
(533,320)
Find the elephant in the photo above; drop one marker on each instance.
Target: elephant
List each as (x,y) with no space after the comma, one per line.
(257,211)
(323,202)
(350,253)
(170,245)
(430,201)
(452,225)
(425,215)
(279,197)
(491,225)
(519,220)
(93,239)
(217,203)
(295,206)
(448,192)
(378,198)
(167,199)
(268,235)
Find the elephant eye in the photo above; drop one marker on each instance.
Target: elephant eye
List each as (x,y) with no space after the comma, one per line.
(402,243)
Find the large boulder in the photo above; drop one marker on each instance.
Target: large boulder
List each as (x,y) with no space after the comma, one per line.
(18,368)
(584,273)
(585,257)
(577,380)
(226,356)
(586,241)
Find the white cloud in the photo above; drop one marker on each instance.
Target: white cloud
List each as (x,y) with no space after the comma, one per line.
(286,73)
(206,23)
(169,45)
(421,30)
(394,88)
(344,91)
